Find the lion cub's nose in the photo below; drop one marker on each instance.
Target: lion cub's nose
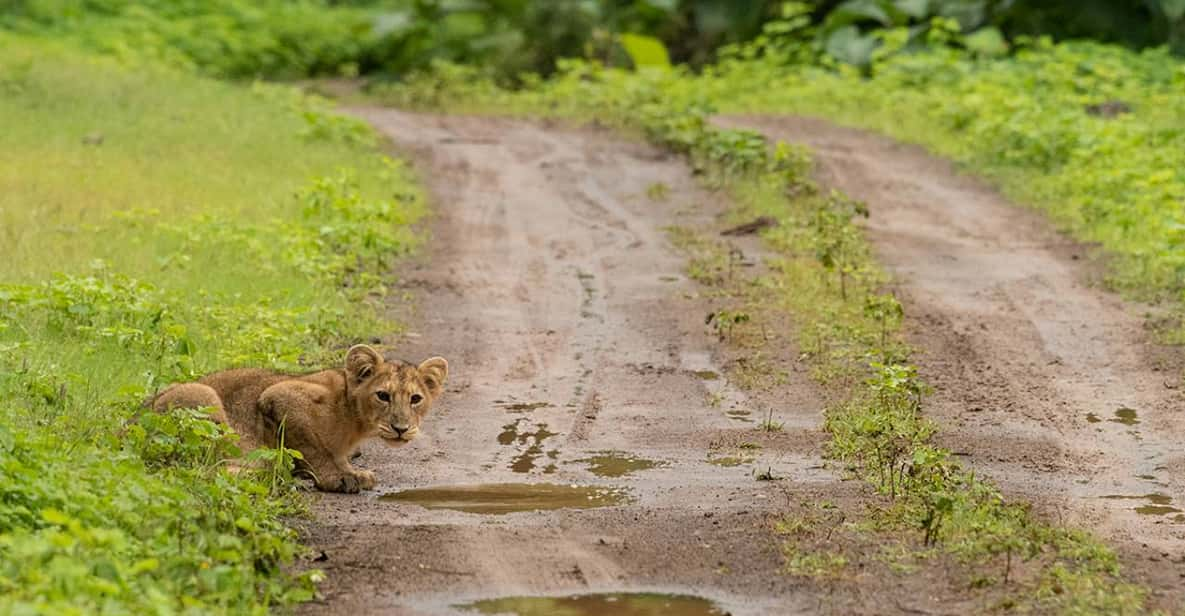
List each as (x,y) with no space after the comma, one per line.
(398,431)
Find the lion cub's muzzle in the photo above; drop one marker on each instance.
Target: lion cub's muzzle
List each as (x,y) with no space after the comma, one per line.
(397,436)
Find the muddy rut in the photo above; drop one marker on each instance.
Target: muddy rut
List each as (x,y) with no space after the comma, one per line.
(578,357)
(1043,381)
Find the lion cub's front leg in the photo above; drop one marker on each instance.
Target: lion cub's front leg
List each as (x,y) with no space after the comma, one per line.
(310,427)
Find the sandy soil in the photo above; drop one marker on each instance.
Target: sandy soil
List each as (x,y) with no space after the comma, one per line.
(551,281)
(1043,381)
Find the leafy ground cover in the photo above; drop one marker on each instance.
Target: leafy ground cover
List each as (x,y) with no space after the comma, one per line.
(826,280)
(224,38)
(156,226)
(1094,135)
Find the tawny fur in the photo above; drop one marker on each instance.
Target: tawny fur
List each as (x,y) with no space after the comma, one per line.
(325,415)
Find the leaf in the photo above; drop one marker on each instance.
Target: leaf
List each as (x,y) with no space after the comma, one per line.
(969,13)
(144,566)
(645,51)
(392,24)
(669,6)
(987,42)
(54,516)
(1173,9)
(856,11)
(848,45)
(7,441)
(918,9)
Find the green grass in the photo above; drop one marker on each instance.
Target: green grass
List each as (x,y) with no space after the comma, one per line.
(157,226)
(224,38)
(1025,122)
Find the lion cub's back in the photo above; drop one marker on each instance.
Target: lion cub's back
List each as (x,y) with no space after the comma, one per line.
(240,388)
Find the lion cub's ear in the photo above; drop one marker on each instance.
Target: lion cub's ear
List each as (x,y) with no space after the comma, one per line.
(434,372)
(361,361)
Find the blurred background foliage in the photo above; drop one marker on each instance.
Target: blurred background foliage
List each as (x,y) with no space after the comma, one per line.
(299,38)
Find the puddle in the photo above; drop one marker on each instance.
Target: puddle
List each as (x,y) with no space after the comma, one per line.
(1156,510)
(502,498)
(1092,418)
(617,464)
(707,375)
(1126,416)
(528,458)
(524,407)
(1158,504)
(608,604)
(729,461)
(739,415)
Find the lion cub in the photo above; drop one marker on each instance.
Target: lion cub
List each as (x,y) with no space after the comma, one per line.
(325,415)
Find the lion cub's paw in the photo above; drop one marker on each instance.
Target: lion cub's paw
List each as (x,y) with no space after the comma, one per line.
(349,482)
(366,479)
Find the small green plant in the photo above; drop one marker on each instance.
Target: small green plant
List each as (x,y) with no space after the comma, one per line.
(821,564)
(658,191)
(724,321)
(768,424)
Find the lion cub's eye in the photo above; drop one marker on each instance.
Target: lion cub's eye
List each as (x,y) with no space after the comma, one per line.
(384,396)
(416,398)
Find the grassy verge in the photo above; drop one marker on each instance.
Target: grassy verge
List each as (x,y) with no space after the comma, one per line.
(823,276)
(157,226)
(1093,135)
(223,38)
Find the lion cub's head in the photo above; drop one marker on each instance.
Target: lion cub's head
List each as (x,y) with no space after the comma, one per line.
(391,397)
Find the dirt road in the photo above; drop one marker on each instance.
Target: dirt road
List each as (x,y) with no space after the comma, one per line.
(1043,381)
(583,378)
(571,331)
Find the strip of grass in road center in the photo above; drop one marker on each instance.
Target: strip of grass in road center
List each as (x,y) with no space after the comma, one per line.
(826,279)
(154,226)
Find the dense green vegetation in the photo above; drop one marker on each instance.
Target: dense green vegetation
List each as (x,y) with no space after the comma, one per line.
(1089,133)
(298,38)
(156,226)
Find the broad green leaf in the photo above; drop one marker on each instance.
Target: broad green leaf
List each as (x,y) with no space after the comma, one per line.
(392,24)
(856,11)
(645,51)
(969,13)
(670,6)
(986,42)
(54,516)
(848,45)
(918,9)
(1173,9)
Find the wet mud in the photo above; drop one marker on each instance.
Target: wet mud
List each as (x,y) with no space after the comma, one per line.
(503,498)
